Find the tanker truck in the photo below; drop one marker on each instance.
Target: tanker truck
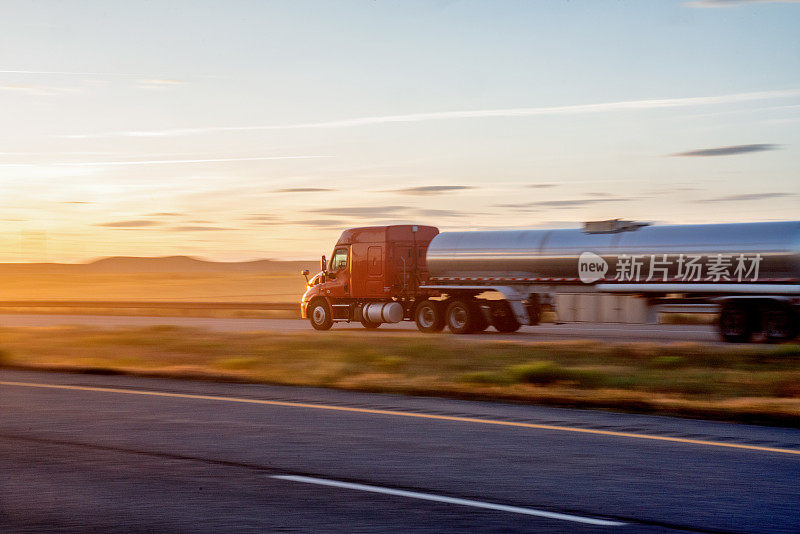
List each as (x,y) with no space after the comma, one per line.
(608,271)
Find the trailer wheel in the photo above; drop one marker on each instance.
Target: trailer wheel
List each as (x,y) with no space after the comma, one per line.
(736,323)
(778,323)
(461,317)
(481,323)
(369,325)
(320,315)
(503,318)
(429,317)
(534,309)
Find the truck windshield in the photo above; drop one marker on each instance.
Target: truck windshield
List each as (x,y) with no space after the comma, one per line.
(339,259)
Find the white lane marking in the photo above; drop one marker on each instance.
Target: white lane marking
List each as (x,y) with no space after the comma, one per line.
(449,500)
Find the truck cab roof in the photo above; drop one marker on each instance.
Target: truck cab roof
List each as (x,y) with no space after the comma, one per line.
(396,232)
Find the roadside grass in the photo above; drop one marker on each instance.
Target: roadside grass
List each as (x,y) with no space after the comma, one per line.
(745,383)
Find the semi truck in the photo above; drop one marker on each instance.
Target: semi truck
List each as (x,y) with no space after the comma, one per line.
(608,271)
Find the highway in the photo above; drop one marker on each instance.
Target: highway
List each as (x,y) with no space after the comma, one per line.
(543,332)
(124,454)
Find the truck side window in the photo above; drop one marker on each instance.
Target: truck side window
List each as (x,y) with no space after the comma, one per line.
(339,260)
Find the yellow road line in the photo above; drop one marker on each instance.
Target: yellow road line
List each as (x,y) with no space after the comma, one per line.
(405,414)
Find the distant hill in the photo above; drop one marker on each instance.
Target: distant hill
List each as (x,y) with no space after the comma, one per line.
(165,264)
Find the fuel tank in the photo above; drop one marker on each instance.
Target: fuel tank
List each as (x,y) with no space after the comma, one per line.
(725,253)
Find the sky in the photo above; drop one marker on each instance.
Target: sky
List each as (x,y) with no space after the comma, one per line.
(235,130)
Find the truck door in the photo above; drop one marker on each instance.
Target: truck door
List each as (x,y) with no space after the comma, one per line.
(374,276)
(338,285)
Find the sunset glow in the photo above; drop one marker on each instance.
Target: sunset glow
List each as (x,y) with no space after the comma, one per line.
(245,130)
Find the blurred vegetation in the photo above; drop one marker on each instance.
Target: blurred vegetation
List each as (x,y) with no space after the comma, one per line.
(688,318)
(757,383)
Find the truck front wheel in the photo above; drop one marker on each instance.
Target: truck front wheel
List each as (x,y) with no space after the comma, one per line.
(736,323)
(460,317)
(429,317)
(320,316)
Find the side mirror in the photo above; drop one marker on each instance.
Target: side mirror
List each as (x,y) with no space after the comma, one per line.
(324,263)
(304,273)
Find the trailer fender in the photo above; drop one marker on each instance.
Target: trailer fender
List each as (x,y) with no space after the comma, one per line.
(515,297)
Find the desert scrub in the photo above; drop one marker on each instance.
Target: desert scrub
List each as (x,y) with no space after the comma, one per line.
(239,363)
(547,372)
(484,377)
(536,372)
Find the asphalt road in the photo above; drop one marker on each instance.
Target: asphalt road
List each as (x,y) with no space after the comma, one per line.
(544,332)
(114,453)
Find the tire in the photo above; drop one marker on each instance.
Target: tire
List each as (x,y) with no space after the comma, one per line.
(320,315)
(481,323)
(736,323)
(368,324)
(778,322)
(534,309)
(460,317)
(429,317)
(503,318)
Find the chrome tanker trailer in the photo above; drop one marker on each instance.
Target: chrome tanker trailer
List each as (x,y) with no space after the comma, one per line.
(608,271)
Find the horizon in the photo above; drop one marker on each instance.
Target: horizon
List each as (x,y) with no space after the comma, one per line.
(178,256)
(210,260)
(244,130)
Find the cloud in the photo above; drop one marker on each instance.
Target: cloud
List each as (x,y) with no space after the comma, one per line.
(431,189)
(748,197)
(387,212)
(196,229)
(164,214)
(260,217)
(129,224)
(439,213)
(77,202)
(361,211)
(302,190)
(527,206)
(563,204)
(319,222)
(155,162)
(729,3)
(68,73)
(37,90)
(578,203)
(542,186)
(728,150)
(158,84)
(574,109)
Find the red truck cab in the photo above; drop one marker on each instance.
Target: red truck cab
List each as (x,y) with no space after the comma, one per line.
(373,276)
